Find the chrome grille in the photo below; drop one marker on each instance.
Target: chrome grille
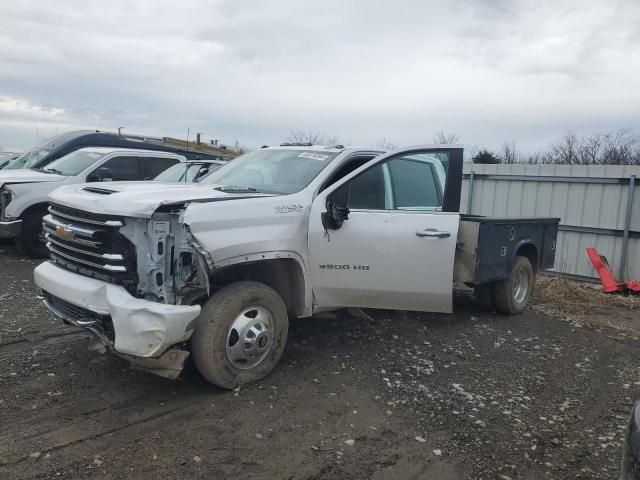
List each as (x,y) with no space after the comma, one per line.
(84,217)
(90,244)
(79,316)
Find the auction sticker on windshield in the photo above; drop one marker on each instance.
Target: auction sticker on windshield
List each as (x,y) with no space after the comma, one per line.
(313,156)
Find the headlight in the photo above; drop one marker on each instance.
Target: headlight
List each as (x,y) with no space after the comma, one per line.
(6,196)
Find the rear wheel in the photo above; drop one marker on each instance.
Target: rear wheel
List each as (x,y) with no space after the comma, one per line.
(240,334)
(511,296)
(31,241)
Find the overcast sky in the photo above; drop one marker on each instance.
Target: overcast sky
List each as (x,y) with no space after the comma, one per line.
(488,70)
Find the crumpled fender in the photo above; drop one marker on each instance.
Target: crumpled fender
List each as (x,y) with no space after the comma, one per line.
(144,328)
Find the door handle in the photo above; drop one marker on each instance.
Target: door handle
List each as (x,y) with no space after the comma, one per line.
(431,233)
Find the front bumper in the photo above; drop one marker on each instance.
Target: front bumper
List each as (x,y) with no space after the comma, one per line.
(10,229)
(140,328)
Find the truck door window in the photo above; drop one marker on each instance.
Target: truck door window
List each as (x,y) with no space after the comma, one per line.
(367,190)
(154,166)
(345,169)
(417,181)
(123,168)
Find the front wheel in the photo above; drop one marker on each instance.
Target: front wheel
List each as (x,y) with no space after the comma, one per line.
(240,334)
(511,296)
(31,241)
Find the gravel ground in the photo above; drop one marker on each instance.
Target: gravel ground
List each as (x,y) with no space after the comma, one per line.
(469,395)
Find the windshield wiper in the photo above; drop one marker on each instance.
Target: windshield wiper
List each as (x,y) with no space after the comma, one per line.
(235,189)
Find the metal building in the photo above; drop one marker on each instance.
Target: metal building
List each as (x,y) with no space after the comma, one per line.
(598,206)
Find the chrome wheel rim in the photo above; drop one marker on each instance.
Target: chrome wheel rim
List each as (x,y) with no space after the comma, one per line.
(250,338)
(520,285)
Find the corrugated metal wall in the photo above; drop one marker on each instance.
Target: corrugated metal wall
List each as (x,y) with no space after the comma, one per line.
(583,203)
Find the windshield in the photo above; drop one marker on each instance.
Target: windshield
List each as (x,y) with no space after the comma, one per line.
(28,159)
(5,158)
(186,172)
(73,163)
(272,171)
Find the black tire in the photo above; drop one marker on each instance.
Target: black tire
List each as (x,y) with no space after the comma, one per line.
(30,242)
(214,332)
(484,296)
(506,295)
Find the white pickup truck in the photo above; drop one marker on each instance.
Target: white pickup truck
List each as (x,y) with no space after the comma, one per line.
(218,268)
(24,192)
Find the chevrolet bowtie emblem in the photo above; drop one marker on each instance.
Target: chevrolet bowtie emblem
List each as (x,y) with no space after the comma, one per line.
(63,232)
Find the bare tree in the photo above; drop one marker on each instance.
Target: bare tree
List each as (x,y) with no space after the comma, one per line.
(617,148)
(565,151)
(447,138)
(314,138)
(386,144)
(510,153)
(621,148)
(534,158)
(590,149)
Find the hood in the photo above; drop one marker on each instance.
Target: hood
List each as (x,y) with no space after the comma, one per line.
(7,177)
(137,199)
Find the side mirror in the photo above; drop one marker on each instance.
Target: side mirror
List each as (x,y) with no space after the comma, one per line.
(101,174)
(337,210)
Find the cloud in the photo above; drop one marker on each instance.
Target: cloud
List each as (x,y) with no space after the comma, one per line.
(568,37)
(489,70)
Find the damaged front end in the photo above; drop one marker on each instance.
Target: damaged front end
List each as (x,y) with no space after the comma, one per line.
(171,267)
(135,283)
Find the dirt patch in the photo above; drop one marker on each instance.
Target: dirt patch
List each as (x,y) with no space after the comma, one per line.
(587,305)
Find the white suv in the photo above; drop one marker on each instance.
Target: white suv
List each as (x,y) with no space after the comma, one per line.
(23,193)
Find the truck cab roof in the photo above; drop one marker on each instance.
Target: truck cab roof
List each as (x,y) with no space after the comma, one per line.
(60,145)
(138,152)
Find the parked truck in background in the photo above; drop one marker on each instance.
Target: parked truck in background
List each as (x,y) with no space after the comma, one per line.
(217,269)
(24,193)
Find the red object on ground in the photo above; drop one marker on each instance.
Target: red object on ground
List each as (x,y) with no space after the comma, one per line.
(609,282)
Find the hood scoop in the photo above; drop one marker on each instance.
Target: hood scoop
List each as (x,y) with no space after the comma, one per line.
(98,190)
